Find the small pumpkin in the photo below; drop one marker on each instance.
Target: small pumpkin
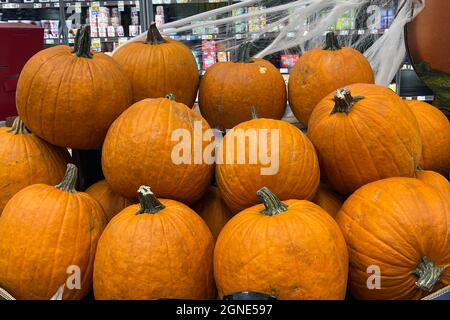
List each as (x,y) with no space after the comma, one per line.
(328,200)
(139,149)
(157,249)
(364,133)
(434,180)
(70,98)
(49,234)
(26,159)
(111,202)
(435,133)
(397,232)
(228,90)
(159,65)
(290,250)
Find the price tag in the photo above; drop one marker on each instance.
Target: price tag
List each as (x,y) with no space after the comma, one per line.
(361,31)
(37,5)
(49,41)
(254,36)
(290,34)
(71,40)
(188,38)
(121,6)
(56,5)
(10,6)
(284,70)
(421,98)
(374,31)
(95,8)
(238,36)
(138,8)
(344,32)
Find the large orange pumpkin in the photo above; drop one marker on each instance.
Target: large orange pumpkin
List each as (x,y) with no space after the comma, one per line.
(141,147)
(111,202)
(328,200)
(48,239)
(397,232)
(155,249)
(434,180)
(26,159)
(321,71)
(290,250)
(228,90)
(292,171)
(435,132)
(71,98)
(158,66)
(364,133)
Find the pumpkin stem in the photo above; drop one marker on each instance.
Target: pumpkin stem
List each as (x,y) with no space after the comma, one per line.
(244,53)
(153,35)
(272,204)
(170,96)
(428,273)
(254,112)
(69,181)
(149,202)
(343,101)
(76,41)
(83,45)
(331,42)
(18,127)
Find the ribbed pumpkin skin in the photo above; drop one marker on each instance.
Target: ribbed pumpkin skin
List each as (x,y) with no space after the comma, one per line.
(151,256)
(70,101)
(297,254)
(319,72)
(379,138)
(328,200)
(434,180)
(435,132)
(228,90)
(111,202)
(298,171)
(43,231)
(392,223)
(158,69)
(26,159)
(138,148)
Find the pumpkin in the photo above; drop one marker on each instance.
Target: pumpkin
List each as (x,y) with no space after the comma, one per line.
(155,249)
(141,147)
(71,98)
(397,232)
(213,210)
(435,132)
(364,133)
(290,250)
(321,71)
(434,180)
(158,66)
(228,90)
(48,239)
(111,202)
(328,200)
(286,163)
(25,159)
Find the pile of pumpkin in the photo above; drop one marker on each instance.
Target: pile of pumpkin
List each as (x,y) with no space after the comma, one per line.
(288,235)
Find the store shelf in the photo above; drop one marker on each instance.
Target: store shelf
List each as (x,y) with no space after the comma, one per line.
(172,2)
(45,5)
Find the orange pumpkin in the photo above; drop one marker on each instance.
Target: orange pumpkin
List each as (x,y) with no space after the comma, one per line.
(397,232)
(435,132)
(139,149)
(25,159)
(434,180)
(213,210)
(158,66)
(290,250)
(328,200)
(48,239)
(152,250)
(71,98)
(111,202)
(364,133)
(228,90)
(291,171)
(321,71)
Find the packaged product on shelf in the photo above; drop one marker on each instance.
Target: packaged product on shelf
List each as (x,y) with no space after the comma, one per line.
(222,56)
(346,21)
(46,26)
(208,59)
(102,32)
(115,17)
(159,16)
(288,60)
(133,31)
(240,26)
(253,22)
(94,31)
(134,16)
(111,31)
(120,32)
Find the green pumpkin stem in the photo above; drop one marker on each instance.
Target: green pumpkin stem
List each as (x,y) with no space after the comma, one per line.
(428,273)
(149,202)
(244,53)
(254,112)
(344,101)
(331,42)
(170,96)
(153,35)
(69,181)
(272,204)
(18,127)
(83,44)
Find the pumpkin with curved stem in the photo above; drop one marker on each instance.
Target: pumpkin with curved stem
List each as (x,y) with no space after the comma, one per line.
(291,250)
(26,159)
(48,235)
(229,89)
(156,249)
(435,133)
(434,180)
(159,65)
(328,200)
(321,71)
(398,227)
(71,98)
(364,133)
